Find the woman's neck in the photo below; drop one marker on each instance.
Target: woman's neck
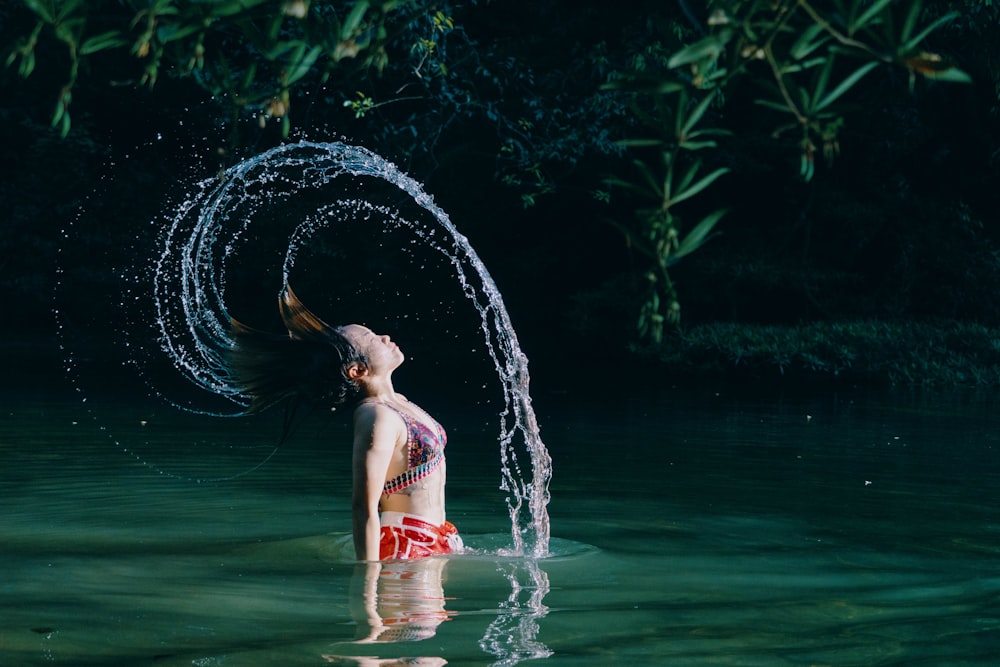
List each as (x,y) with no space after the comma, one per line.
(379,389)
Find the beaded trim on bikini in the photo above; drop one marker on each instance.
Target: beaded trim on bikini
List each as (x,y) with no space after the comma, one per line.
(411,476)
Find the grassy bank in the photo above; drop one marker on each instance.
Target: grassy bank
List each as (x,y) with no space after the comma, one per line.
(936,354)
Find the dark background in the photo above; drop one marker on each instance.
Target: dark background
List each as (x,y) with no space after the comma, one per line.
(902,227)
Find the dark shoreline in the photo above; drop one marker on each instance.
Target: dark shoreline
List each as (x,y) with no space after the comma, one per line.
(817,356)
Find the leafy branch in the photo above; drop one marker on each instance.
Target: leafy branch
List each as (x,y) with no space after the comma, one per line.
(814,57)
(249,52)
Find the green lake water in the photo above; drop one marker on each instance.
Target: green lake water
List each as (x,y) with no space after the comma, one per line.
(690,528)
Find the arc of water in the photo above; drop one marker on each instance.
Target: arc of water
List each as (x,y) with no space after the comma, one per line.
(190,277)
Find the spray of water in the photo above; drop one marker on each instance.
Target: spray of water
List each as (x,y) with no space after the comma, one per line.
(513,636)
(201,242)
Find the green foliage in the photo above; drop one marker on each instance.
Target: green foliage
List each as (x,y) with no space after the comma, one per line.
(472,89)
(655,232)
(804,59)
(942,353)
(251,53)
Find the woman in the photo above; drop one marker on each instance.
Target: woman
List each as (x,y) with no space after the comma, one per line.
(398,461)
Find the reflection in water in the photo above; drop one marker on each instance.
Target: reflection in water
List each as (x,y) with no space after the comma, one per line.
(404,601)
(397,601)
(513,635)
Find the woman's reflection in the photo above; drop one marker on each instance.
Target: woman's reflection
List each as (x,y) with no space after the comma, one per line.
(403,600)
(398,601)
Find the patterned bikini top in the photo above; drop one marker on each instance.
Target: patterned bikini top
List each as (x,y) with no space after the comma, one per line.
(425,452)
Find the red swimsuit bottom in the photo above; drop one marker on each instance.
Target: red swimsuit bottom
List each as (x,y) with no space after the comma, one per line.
(405,536)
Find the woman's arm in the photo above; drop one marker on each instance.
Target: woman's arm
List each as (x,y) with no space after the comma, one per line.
(376,432)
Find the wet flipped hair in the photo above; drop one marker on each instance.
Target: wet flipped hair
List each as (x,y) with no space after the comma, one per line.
(274,368)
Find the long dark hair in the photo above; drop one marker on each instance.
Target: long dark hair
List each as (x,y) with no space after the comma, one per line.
(307,366)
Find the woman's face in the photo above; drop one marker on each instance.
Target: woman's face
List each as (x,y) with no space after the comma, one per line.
(380,353)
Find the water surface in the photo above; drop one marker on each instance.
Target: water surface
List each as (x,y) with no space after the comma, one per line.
(689,528)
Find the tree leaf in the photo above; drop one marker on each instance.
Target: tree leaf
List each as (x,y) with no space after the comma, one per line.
(699,186)
(647,175)
(709,47)
(845,85)
(353,19)
(303,65)
(873,9)
(689,176)
(696,115)
(229,7)
(279,48)
(822,79)
(65,125)
(27,64)
(915,41)
(174,32)
(804,65)
(67,8)
(777,106)
(41,9)
(639,143)
(951,74)
(70,30)
(801,93)
(910,21)
(697,145)
(697,236)
(805,44)
(710,131)
(106,40)
(58,113)
(653,86)
(627,185)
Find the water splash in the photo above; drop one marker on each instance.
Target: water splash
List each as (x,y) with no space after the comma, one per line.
(513,636)
(201,243)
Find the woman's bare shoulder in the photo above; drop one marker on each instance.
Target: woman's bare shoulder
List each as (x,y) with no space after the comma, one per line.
(374,412)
